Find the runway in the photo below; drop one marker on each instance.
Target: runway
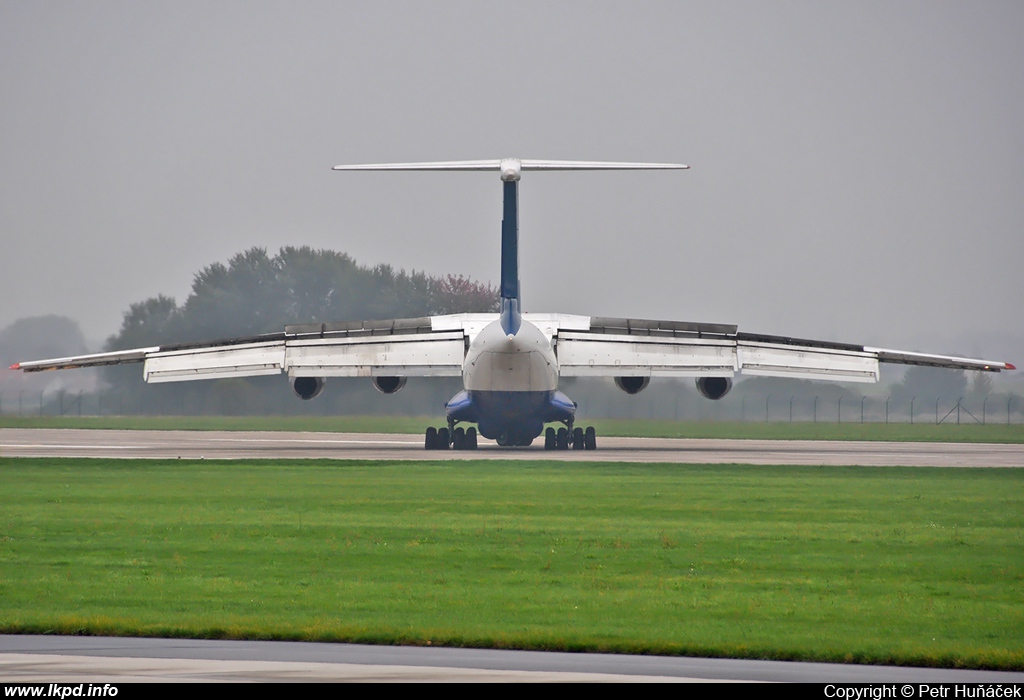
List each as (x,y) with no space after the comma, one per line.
(153,444)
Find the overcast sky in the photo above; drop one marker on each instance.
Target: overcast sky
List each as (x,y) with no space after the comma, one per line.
(857,167)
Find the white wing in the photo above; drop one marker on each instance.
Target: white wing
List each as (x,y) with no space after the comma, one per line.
(643,348)
(585,346)
(416,347)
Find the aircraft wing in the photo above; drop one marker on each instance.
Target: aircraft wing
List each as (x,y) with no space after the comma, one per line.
(586,347)
(642,348)
(416,347)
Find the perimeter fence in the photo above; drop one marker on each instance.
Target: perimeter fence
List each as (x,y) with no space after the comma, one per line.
(682,406)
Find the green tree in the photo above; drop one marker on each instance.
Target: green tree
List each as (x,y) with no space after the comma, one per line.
(39,337)
(148,322)
(255,293)
(981,384)
(929,384)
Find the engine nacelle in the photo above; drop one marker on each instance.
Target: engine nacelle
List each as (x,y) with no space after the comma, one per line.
(307,388)
(714,388)
(632,385)
(388,385)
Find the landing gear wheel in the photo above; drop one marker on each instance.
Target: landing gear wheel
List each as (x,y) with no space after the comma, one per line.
(549,439)
(444,439)
(459,439)
(590,439)
(471,438)
(577,438)
(430,439)
(562,439)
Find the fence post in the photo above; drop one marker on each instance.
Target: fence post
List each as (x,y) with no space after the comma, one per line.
(839,411)
(958,409)
(887,409)
(936,411)
(862,408)
(766,407)
(912,410)
(743,409)
(983,410)
(791,409)
(815,409)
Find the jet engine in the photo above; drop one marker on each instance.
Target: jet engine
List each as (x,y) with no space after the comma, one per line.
(388,385)
(632,385)
(307,388)
(714,388)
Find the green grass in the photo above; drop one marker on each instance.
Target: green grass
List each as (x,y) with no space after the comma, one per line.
(911,566)
(901,432)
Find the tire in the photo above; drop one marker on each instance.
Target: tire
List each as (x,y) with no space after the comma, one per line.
(430,439)
(444,440)
(471,438)
(562,439)
(459,439)
(590,439)
(549,439)
(577,438)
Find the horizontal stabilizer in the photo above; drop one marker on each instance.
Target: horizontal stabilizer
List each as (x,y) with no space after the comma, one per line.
(511,167)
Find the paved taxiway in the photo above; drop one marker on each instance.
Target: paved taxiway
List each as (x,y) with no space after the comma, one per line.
(107,659)
(173,444)
(91,659)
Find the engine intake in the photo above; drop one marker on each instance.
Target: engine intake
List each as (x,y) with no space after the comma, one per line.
(307,388)
(632,385)
(714,388)
(388,385)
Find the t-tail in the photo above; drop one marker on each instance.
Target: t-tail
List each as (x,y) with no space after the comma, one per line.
(511,170)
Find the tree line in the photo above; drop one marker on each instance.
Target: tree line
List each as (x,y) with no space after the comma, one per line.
(255,293)
(260,293)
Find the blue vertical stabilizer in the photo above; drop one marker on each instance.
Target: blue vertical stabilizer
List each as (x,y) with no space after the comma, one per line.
(510,301)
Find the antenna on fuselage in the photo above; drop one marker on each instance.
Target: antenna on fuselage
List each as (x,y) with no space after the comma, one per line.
(511,169)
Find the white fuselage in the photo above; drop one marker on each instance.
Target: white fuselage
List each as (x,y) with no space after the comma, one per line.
(524,362)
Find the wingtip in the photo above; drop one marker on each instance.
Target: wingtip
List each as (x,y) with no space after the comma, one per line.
(1009,366)
(16,365)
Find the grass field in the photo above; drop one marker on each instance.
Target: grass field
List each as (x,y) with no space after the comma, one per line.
(874,565)
(920,432)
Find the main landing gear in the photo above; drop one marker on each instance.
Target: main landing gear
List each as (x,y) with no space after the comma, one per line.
(466,439)
(445,438)
(569,437)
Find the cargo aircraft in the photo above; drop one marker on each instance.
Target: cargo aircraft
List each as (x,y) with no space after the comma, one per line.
(510,362)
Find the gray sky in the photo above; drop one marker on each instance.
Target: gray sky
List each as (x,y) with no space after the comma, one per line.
(858,168)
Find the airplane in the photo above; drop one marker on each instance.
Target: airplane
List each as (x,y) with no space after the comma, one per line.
(511,361)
